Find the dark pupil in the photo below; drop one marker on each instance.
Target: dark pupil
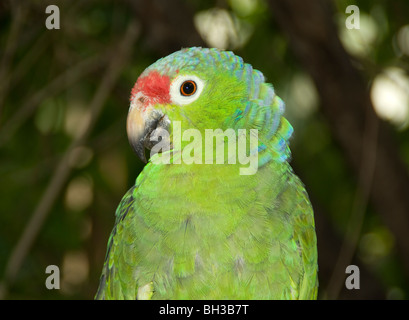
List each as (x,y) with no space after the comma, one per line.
(188,88)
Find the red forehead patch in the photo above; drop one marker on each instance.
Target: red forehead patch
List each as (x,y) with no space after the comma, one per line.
(154,86)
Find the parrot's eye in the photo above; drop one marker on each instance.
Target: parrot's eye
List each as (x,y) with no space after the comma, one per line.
(188,88)
(185,89)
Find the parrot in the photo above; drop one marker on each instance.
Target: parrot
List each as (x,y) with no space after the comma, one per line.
(196,226)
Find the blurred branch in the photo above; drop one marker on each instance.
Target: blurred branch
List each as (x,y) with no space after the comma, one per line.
(19,11)
(29,59)
(63,170)
(359,207)
(167,25)
(61,82)
(346,104)
(329,244)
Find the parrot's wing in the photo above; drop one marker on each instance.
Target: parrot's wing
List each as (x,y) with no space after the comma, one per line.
(304,232)
(307,240)
(299,246)
(110,284)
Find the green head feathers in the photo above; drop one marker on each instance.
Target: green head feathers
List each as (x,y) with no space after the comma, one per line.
(208,89)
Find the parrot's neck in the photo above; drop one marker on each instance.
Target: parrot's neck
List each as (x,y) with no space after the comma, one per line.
(245,149)
(181,185)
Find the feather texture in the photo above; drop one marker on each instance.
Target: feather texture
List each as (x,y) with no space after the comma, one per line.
(204,231)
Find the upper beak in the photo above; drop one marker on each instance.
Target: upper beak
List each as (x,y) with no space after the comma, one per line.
(140,125)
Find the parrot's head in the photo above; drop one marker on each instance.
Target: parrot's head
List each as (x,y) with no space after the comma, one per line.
(200,88)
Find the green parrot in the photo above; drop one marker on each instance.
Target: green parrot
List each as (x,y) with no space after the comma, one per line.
(205,219)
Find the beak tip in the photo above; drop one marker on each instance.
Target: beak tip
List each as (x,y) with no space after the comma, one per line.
(143,159)
(139,149)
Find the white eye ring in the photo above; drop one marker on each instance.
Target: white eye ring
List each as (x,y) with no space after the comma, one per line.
(176,93)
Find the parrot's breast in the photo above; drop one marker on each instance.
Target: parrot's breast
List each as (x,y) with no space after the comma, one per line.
(206,232)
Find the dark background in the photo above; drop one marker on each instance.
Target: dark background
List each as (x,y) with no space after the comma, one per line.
(65,161)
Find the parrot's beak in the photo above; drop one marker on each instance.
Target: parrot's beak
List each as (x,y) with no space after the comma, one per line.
(141,124)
